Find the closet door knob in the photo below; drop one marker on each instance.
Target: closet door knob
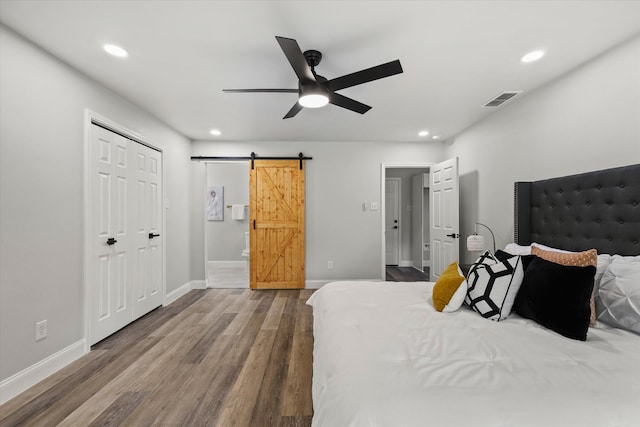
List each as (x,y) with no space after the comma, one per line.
(151,235)
(111,241)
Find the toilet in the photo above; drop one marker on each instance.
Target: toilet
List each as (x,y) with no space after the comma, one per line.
(246,251)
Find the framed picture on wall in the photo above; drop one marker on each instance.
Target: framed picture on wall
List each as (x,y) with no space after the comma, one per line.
(215,203)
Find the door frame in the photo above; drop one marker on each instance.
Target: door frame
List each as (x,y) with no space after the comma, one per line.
(91,117)
(383,175)
(399,203)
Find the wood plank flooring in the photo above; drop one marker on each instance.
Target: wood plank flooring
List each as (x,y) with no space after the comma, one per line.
(405,274)
(216,357)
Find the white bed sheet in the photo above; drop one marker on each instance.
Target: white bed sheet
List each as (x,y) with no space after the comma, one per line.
(384,357)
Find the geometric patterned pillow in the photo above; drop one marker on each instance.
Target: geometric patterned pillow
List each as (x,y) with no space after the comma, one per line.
(492,286)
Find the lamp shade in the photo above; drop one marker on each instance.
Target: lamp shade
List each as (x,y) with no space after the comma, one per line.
(475,243)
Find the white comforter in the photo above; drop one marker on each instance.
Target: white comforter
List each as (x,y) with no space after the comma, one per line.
(384,357)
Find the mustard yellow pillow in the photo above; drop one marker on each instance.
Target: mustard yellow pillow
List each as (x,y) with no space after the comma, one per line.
(450,289)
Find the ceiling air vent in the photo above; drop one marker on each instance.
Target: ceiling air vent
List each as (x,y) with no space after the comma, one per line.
(502,98)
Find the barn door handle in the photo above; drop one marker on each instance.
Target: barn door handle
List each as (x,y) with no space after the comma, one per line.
(111,241)
(453,235)
(151,235)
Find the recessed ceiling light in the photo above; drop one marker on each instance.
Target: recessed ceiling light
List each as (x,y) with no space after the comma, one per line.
(423,133)
(532,56)
(114,50)
(215,132)
(435,137)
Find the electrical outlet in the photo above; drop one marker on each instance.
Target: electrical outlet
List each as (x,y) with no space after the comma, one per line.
(329,265)
(41,330)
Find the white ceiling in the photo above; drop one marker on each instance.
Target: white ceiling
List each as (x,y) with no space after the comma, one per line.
(456,56)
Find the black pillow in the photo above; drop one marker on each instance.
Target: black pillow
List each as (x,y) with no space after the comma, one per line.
(503,256)
(557,297)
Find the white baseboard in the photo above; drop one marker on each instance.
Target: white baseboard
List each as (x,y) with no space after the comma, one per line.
(17,383)
(198,284)
(227,264)
(317,284)
(405,263)
(426,263)
(183,290)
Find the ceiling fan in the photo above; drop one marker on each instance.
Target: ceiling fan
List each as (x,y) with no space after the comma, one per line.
(315,90)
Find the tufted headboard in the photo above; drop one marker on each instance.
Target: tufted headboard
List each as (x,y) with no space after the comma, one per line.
(598,210)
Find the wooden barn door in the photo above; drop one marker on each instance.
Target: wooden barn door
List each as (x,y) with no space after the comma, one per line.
(277,224)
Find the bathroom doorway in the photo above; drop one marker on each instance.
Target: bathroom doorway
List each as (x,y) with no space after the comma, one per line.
(226,202)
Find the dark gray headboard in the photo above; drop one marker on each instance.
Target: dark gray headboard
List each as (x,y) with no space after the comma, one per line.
(590,210)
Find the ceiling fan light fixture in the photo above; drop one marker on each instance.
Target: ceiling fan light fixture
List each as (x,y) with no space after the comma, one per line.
(313,100)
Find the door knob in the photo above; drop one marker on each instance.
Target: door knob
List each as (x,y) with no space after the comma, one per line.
(395,227)
(453,235)
(111,241)
(151,235)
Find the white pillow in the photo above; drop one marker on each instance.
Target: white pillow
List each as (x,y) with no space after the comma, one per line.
(516,249)
(458,297)
(618,258)
(618,299)
(603,262)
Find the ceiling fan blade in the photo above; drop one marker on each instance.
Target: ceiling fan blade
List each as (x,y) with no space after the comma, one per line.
(348,103)
(293,111)
(296,59)
(364,76)
(261,90)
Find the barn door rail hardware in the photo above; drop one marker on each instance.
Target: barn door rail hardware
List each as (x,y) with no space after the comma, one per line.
(253,157)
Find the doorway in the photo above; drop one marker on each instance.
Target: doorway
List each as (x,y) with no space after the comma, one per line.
(411,214)
(226,249)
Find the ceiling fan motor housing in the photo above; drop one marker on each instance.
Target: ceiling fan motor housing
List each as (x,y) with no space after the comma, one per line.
(313,57)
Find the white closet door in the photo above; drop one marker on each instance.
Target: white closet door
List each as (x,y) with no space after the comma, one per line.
(126,266)
(110,271)
(146,251)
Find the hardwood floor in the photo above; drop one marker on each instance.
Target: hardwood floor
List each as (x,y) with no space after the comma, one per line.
(405,274)
(216,357)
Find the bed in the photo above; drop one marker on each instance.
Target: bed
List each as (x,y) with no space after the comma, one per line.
(383,356)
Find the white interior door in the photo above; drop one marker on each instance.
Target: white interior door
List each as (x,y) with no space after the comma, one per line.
(444,201)
(126,268)
(417,234)
(392,221)
(147,258)
(110,268)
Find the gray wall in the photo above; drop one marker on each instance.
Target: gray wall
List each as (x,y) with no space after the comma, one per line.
(339,179)
(42,107)
(586,120)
